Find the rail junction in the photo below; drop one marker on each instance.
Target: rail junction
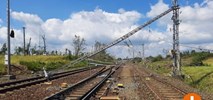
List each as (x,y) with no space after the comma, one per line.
(124,81)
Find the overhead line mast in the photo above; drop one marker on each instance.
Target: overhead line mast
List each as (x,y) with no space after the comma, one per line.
(124,36)
(176,47)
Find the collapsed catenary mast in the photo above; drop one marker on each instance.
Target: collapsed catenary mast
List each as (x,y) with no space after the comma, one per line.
(123,37)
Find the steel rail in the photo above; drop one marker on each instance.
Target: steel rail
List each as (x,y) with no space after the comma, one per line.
(88,95)
(61,94)
(163,82)
(9,86)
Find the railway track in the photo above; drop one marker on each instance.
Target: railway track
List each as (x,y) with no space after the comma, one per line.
(162,89)
(14,85)
(165,91)
(85,89)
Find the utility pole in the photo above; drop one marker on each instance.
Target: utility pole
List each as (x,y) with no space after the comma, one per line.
(24,40)
(143,52)
(7,57)
(176,51)
(8,38)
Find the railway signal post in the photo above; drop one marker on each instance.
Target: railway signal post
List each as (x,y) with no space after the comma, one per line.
(7,56)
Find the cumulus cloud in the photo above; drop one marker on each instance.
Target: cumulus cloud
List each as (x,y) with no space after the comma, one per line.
(99,25)
(195,26)
(196,23)
(1,21)
(26,18)
(3,36)
(157,9)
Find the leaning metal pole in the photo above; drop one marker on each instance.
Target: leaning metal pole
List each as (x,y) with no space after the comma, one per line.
(8,37)
(176,50)
(122,38)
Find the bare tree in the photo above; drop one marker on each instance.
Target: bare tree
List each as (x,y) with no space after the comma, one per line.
(28,47)
(78,45)
(3,49)
(18,50)
(103,55)
(44,40)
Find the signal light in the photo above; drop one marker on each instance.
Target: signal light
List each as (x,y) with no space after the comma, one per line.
(12,34)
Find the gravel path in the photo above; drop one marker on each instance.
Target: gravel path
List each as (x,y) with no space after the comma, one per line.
(134,88)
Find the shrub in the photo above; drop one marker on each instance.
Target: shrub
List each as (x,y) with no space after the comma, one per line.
(33,65)
(53,65)
(81,64)
(37,66)
(198,58)
(158,58)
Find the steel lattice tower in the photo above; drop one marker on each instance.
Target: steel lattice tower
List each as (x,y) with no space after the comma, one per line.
(176,51)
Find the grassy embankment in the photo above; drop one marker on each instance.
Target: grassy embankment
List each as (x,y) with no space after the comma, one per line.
(200,77)
(35,63)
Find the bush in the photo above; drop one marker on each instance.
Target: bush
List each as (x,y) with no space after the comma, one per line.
(33,65)
(37,66)
(158,58)
(70,57)
(198,58)
(81,64)
(2,69)
(53,65)
(137,59)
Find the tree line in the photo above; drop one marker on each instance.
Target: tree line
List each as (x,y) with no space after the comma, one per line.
(78,44)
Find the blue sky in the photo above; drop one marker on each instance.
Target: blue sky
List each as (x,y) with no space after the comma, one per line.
(63,8)
(107,20)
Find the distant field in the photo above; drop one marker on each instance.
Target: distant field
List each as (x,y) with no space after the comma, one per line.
(201,77)
(209,61)
(38,58)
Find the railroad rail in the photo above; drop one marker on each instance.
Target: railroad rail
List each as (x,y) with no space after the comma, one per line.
(162,89)
(86,88)
(10,86)
(96,88)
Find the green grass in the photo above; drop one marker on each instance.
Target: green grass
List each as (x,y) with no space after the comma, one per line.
(209,61)
(201,77)
(161,67)
(2,66)
(41,58)
(35,63)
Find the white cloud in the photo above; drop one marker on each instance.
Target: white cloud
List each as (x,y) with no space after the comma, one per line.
(26,17)
(196,22)
(157,9)
(33,24)
(3,36)
(99,25)
(92,25)
(1,21)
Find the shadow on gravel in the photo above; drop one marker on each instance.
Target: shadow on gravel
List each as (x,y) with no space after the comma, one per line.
(199,80)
